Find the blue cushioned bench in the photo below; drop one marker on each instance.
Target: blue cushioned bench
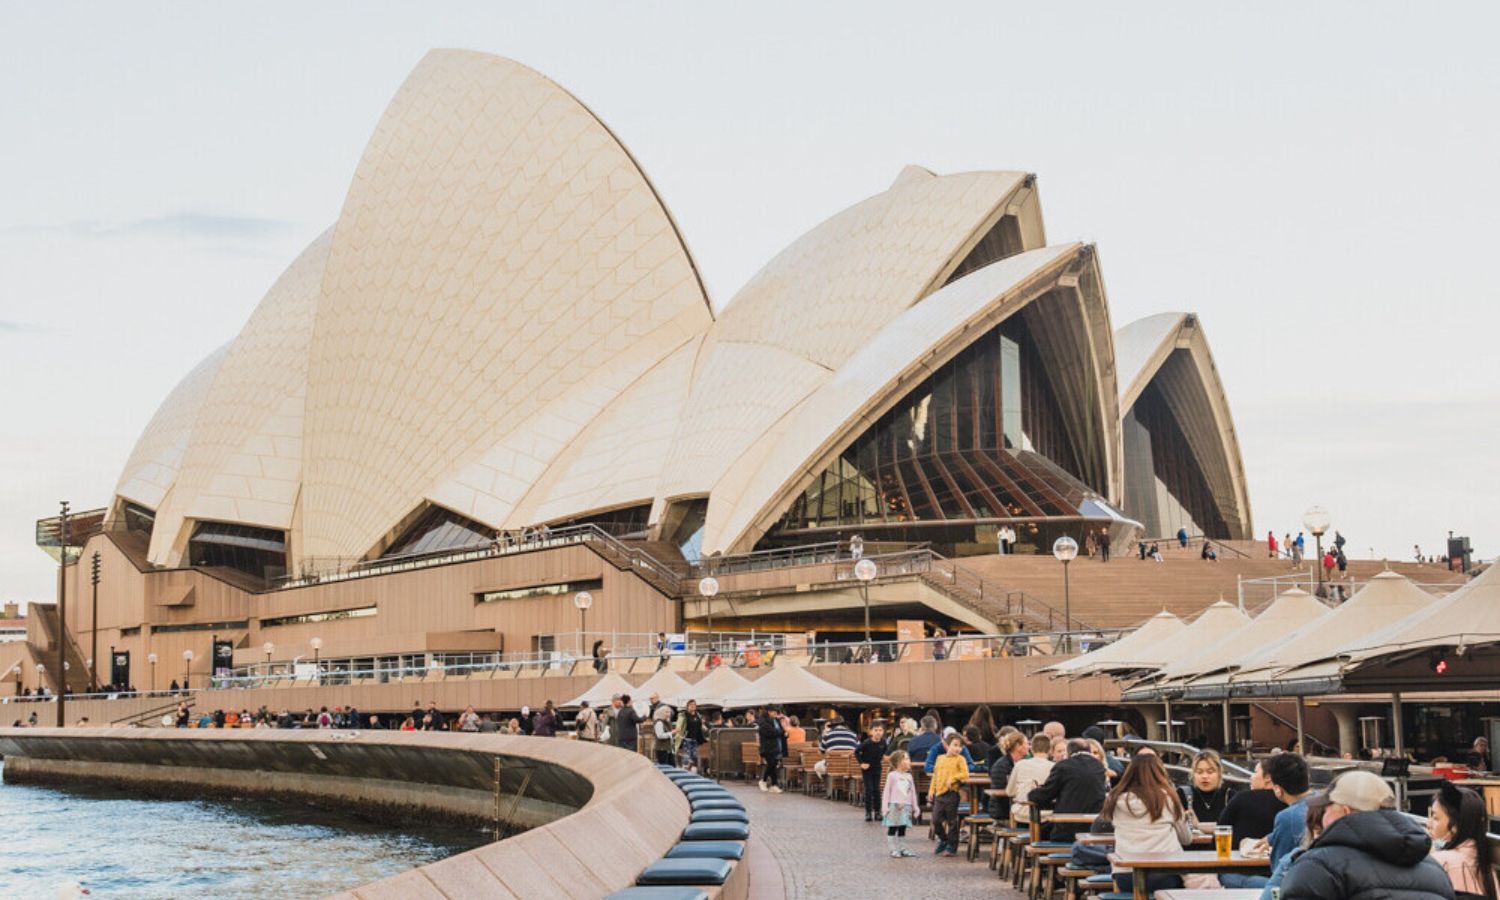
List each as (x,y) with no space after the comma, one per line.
(715,849)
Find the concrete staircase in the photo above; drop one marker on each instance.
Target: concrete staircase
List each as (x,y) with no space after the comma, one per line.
(78,672)
(1127,591)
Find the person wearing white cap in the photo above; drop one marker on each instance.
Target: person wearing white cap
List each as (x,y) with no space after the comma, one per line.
(1368,849)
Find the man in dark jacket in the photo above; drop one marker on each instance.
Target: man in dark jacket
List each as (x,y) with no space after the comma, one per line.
(772,732)
(870,754)
(625,724)
(1367,851)
(1075,785)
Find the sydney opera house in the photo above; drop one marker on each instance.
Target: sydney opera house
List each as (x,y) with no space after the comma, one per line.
(504,335)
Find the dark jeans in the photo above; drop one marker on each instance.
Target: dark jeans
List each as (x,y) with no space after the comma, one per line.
(945,817)
(771,768)
(872,789)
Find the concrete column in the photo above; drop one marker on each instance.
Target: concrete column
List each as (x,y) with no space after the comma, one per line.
(1346,715)
(1152,715)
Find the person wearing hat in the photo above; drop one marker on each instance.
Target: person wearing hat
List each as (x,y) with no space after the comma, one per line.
(1368,849)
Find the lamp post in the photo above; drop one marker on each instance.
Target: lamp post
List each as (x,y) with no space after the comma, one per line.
(708,588)
(1066,550)
(187,669)
(582,600)
(269,648)
(41,677)
(1316,521)
(94,628)
(62,610)
(317,645)
(865,570)
(151,658)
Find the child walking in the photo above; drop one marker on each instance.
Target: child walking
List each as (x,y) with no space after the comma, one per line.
(870,754)
(949,772)
(898,804)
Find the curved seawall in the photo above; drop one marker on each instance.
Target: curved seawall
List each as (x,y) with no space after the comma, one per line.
(594,816)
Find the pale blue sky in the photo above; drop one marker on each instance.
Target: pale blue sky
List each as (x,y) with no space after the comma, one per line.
(1318,182)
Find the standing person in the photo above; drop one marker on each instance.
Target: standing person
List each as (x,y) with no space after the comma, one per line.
(1182,537)
(1457,822)
(691,736)
(1148,817)
(1328,564)
(1367,849)
(898,804)
(1207,794)
(1288,549)
(1271,543)
(601,654)
(942,793)
(626,725)
(1299,547)
(936,753)
(1104,543)
(772,732)
(663,650)
(661,730)
(1075,785)
(546,721)
(1342,561)
(468,720)
(870,754)
(586,723)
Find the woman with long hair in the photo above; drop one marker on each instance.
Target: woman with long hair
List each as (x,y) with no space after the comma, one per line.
(984,720)
(1457,821)
(1207,793)
(1148,817)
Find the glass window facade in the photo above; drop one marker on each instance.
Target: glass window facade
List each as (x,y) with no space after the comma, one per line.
(438,529)
(541,590)
(982,439)
(260,552)
(333,615)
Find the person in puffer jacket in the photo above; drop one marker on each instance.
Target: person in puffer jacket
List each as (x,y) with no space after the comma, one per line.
(1367,850)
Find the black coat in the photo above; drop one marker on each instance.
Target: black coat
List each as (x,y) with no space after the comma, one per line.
(1075,785)
(624,730)
(772,736)
(1380,855)
(999,775)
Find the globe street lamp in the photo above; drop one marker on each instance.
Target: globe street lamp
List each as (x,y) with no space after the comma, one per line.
(708,588)
(1316,521)
(582,600)
(865,570)
(317,645)
(1066,550)
(187,668)
(269,648)
(151,658)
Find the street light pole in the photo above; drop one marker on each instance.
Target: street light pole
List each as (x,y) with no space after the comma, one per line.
(187,669)
(1317,521)
(94,630)
(151,658)
(317,645)
(582,600)
(708,588)
(62,612)
(1065,549)
(865,570)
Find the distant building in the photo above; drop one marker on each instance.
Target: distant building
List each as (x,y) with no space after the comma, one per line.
(12,624)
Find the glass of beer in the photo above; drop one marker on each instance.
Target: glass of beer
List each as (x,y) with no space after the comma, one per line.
(1223,841)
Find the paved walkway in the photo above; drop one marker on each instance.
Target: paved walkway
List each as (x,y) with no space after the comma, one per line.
(825,849)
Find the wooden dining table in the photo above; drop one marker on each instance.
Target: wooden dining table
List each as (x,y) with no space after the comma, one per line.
(1058,818)
(1220,894)
(1185,862)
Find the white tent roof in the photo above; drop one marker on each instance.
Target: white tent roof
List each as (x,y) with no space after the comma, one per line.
(1385,599)
(674,690)
(1290,611)
(1141,649)
(1468,616)
(791,685)
(712,688)
(602,690)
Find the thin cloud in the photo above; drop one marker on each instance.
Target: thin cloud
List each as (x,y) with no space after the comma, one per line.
(9,327)
(182,225)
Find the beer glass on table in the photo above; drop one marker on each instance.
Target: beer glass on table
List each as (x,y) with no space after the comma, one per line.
(1223,841)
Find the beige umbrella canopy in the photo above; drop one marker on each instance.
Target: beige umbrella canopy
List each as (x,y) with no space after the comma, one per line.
(795,685)
(1143,648)
(673,689)
(603,690)
(1290,611)
(712,688)
(1468,617)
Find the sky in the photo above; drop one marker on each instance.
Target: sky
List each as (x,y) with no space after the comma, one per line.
(1319,182)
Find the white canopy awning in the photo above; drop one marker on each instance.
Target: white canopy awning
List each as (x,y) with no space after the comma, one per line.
(795,685)
(674,690)
(1290,611)
(603,690)
(712,688)
(1143,648)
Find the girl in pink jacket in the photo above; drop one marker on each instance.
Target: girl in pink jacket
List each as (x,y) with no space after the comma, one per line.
(898,804)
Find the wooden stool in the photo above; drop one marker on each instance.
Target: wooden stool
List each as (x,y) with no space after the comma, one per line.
(977,826)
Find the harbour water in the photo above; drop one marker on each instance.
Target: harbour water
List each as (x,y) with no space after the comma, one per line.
(119,846)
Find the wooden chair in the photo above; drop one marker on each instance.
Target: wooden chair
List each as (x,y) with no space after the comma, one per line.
(842,769)
(750,760)
(979,825)
(810,759)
